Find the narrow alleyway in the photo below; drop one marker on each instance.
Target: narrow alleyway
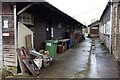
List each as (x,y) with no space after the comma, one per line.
(74,63)
(102,64)
(70,63)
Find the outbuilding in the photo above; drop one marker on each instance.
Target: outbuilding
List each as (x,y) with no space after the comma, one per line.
(34,22)
(109,27)
(94,29)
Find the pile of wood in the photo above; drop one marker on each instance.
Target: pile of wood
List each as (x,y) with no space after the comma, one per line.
(31,62)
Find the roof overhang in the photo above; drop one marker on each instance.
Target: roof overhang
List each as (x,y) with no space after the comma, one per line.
(24,6)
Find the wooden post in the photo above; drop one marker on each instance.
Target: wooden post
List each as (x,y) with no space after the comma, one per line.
(1,58)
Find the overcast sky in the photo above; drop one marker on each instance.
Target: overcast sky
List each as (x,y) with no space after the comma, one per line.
(82,10)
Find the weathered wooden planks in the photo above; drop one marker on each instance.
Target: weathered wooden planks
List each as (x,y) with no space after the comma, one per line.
(31,66)
(20,58)
(29,42)
(26,62)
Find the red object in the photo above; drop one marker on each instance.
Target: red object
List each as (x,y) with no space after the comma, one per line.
(59,49)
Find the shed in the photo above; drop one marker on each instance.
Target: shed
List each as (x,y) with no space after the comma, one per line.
(94,29)
(41,20)
(48,21)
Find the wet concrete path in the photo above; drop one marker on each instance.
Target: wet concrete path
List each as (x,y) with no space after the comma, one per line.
(70,63)
(102,63)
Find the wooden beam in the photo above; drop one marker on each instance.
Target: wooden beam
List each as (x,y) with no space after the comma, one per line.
(25,8)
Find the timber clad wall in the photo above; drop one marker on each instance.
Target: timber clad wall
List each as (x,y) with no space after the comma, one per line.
(105,19)
(40,33)
(95,31)
(118,46)
(58,32)
(44,21)
(115,29)
(118,34)
(110,27)
(45,17)
(8,41)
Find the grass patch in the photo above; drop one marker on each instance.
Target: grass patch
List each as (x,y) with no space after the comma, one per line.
(6,73)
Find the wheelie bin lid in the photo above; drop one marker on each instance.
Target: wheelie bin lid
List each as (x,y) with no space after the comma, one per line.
(51,41)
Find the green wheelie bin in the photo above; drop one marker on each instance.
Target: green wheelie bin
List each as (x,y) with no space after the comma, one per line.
(51,46)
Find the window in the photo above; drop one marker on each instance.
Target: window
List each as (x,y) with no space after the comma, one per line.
(108,28)
(26,18)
